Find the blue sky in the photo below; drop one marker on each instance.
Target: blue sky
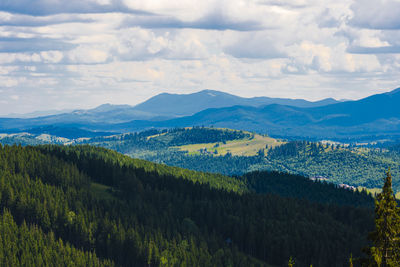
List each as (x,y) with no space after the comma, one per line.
(81,53)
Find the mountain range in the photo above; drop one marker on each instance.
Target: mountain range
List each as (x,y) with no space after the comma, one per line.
(187,104)
(166,106)
(376,116)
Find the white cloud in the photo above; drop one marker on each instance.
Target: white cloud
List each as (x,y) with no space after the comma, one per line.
(84,53)
(8,82)
(88,55)
(378,14)
(52,56)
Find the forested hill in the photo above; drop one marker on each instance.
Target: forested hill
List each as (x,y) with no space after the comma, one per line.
(87,206)
(100,163)
(232,152)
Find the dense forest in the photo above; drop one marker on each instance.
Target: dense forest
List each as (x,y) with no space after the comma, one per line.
(91,206)
(339,163)
(351,164)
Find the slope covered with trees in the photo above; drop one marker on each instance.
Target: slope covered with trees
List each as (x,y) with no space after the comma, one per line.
(339,163)
(136,213)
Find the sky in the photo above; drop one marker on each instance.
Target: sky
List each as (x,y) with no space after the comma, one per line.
(57,54)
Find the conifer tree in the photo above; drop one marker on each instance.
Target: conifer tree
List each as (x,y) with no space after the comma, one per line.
(385,238)
(291,262)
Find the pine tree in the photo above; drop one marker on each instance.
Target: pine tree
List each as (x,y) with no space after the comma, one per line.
(385,238)
(291,262)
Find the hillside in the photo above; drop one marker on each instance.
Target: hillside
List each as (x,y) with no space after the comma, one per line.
(214,150)
(232,152)
(132,212)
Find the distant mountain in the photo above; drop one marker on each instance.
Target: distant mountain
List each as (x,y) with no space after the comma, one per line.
(85,119)
(39,113)
(164,106)
(372,117)
(158,108)
(377,115)
(187,104)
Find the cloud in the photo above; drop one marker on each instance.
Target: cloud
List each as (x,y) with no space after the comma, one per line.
(255,46)
(374,50)
(327,20)
(71,54)
(15,44)
(371,41)
(286,3)
(51,7)
(36,21)
(8,82)
(88,55)
(378,14)
(214,21)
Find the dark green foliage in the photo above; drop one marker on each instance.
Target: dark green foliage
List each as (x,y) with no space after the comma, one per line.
(109,167)
(149,214)
(23,245)
(197,135)
(297,186)
(339,166)
(227,164)
(349,166)
(296,148)
(386,236)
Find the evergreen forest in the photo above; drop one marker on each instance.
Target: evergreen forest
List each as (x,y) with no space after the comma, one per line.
(90,206)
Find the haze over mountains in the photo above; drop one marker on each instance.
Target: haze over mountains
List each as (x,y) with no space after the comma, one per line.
(167,105)
(376,115)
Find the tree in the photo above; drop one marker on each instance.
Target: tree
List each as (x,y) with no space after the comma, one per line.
(386,237)
(290,262)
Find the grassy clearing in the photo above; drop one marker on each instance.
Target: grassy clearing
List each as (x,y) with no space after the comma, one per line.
(243,147)
(156,135)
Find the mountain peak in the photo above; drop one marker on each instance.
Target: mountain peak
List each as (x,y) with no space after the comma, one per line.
(107,107)
(211,92)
